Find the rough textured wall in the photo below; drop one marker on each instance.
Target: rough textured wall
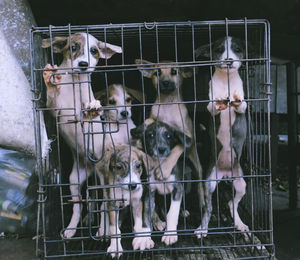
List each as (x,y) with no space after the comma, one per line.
(15,21)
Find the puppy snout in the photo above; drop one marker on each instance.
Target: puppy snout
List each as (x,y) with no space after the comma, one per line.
(161,150)
(132,186)
(83,65)
(166,86)
(166,83)
(229,61)
(124,114)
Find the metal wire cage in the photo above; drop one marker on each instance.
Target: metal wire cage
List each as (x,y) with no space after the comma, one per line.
(157,42)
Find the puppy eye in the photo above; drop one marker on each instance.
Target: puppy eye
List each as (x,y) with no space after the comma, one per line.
(128,100)
(74,48)
(159,72)
(173,72)
(169,136)
(111,102)
(151,135)
(118,167)
(138,165)
(94,51)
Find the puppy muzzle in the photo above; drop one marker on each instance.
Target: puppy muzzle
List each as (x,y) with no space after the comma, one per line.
(166,86)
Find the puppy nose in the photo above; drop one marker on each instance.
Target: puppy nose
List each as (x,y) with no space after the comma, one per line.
(124,113)
(161,150)
(83,65)
(229,61)
(132,186)
(166,83)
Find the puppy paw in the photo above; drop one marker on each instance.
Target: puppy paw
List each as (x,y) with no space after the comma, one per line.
(141,243)
(115,249)
(201,232)
(159,225)
(237,101)
(92,109)
(169,238)
(162,173)
(51,79)
(241,226)
(221,105)
(68,233)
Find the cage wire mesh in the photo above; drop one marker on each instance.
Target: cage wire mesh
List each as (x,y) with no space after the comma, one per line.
(156,42)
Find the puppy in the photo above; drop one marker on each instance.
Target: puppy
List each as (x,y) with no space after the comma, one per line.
(118,123)
(168,81)
(118,100)
(227,109)
(158,139)
(68,94)
(122,168)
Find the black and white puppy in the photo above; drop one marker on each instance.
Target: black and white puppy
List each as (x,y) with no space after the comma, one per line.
(227,109)
(158,139)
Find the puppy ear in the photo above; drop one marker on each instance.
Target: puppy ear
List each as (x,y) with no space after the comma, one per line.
(183,139)
(186,72)
(147,73)
(107,50)
(203,51)
(103,165)
(101,96)
(135,94)
(138,132)
(58,44)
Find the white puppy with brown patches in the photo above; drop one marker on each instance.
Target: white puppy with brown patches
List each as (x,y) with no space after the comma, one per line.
(227,106)
(70,97)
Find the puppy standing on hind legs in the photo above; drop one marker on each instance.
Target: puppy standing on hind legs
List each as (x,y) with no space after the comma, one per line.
(168,81)
(227,108)
(67,94)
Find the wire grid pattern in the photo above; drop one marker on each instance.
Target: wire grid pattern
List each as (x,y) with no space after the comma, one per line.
(156,42)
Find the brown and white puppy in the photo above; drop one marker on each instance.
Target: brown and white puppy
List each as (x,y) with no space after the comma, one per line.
(122,169)
(168,80)
(69,94)
(117,101)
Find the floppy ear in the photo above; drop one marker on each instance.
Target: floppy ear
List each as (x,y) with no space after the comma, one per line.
(186,72)
(135,94)
(204,50)
(138,132)
(107,50)
(183,139)
(101,96)
(58,43)
(148,73)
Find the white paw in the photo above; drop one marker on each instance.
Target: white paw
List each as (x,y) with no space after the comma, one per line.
(169,238)
(141,243)
(93,109)
(241,226)
(201,233)
(69,233)
(115,249)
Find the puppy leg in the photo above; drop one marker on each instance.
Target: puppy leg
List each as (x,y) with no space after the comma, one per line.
(210,187)
(51,81)
(76,180)
(239,185)
(142,239)
(115,248)
(103,230)
(197,165)
(164,170)
(170,236)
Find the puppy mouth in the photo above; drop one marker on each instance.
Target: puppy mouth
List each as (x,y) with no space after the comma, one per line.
(167,87)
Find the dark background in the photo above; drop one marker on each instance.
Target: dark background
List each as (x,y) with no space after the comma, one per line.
(284,15)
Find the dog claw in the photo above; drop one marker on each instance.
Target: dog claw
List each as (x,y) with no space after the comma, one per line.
(141,243)
(115,250)
(93,109)
(69,233)
(169,238)
(201,233)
